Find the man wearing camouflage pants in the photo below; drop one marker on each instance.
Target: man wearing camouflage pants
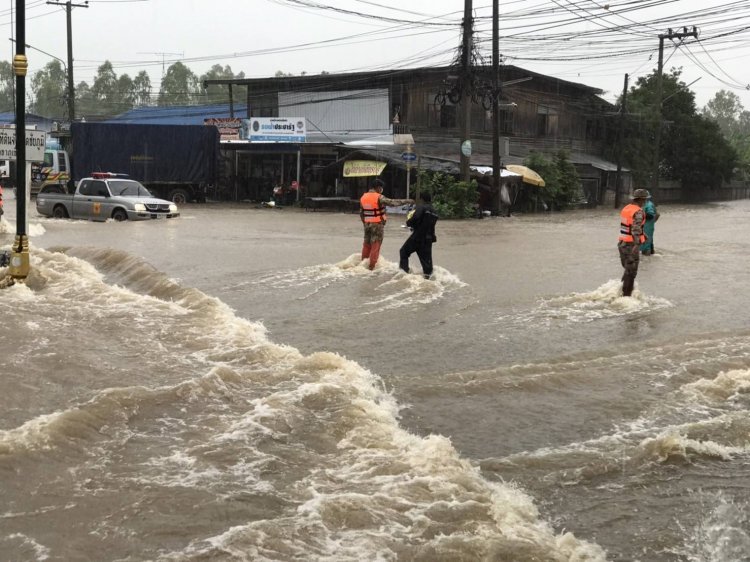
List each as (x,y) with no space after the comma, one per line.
(632,219)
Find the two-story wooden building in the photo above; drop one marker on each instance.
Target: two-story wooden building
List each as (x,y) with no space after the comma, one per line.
(537,113)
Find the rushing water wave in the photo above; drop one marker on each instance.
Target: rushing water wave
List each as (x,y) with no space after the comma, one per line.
(513,407)
(219,444)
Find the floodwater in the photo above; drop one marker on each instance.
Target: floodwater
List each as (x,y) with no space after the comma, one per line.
(234,385)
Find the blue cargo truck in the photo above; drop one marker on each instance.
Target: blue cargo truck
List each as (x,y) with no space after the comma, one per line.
(175,162)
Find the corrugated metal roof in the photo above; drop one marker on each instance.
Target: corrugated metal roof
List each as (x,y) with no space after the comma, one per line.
(177,115)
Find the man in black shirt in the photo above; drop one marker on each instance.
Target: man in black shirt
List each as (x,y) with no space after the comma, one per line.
(422,224)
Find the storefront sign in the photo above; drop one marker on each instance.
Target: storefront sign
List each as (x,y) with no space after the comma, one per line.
(229,127)
(35,143)
(276,129)
(361,168)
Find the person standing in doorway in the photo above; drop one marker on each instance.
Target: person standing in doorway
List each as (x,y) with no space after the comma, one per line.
(652,215)
(422,223)
(632,219)
(372,212)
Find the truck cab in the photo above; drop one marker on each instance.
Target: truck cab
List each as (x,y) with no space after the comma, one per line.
(55,168)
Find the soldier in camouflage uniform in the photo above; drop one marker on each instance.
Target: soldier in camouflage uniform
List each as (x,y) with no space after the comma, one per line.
(632,219)
(372,212)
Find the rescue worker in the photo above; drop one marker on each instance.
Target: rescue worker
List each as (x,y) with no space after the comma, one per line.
(422,223)
(632,219)
(372,212)
(652,215)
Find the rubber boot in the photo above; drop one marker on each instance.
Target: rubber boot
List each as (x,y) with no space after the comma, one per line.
(628,282)
(374,253)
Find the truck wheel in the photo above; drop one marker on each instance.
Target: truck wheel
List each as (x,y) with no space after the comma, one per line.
(119,215)
(179,196)
(59,212)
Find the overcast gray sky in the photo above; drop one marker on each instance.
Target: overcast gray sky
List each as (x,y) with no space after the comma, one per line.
(594,42)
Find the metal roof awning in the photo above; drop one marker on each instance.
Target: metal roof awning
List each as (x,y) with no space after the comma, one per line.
(595,162)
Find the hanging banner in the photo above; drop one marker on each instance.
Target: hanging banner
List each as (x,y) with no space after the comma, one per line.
(229,127)
(275,129)
(362,168)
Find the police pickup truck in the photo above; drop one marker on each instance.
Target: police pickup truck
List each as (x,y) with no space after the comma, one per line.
(104,196)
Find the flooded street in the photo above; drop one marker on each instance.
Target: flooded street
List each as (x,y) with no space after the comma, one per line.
(235,385)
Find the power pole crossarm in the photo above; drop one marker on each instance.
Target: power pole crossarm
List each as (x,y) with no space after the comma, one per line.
(71,89)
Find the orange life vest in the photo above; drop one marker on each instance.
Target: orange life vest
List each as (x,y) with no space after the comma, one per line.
(371,209)
(626,223)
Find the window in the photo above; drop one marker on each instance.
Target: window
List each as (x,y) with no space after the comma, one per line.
(448,116)
(85,188)
(61,162)
(546,122)
(593,129)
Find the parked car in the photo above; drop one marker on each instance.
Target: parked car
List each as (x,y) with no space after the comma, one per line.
(103,196)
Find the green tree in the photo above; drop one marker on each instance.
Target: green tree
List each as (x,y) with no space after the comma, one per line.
(142,89)
(179,86)
(86,102)
(125,98)
(691,149)
(452,199)
(219,93)
(104,90)
(7,86)
(727,111)
(562,186)
(50,85)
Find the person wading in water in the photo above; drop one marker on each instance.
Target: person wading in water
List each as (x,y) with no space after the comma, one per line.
(372,212)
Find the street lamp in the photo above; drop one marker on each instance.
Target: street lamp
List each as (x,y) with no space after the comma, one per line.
(65,68)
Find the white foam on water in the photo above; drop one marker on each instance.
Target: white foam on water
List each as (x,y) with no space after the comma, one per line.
(9,227)
(318,433)
(398,289)
(727,386)
(606,301)
(723,534)
(28,545)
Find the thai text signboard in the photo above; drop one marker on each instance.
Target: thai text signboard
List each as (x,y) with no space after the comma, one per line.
(35,142)
(276,129)
(362,168)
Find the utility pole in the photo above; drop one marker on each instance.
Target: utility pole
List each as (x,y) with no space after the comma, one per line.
(495,102)
(19,259)
(71,90)
(659,80)
(620,131)
(466,94)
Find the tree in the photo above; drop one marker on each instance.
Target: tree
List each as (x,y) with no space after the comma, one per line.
(219,93)
(726,110)
(104,89)
(142,89)
(50,88)
(451,199)
(7,86)
(692,149)
(179,86)
(562,186)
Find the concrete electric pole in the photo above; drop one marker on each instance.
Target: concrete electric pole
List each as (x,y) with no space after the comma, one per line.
(466,100)
(659,80)
(71,89)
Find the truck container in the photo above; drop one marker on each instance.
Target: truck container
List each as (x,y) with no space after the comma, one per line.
(175,162)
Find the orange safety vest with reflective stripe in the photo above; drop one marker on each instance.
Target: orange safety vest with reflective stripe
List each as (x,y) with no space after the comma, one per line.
(626,223)
(371,209)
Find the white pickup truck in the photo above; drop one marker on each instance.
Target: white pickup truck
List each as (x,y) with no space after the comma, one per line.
(104,196)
